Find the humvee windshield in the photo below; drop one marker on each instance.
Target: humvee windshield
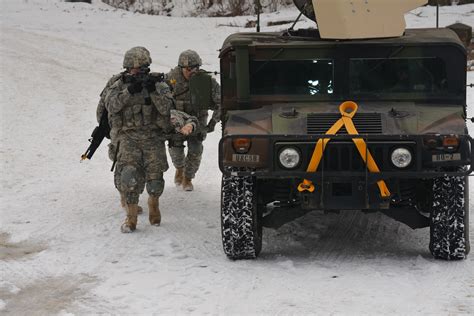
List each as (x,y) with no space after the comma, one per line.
(399,75)
(414,76)
(302,77)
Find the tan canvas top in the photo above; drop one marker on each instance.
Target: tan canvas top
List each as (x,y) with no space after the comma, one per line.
(344,19)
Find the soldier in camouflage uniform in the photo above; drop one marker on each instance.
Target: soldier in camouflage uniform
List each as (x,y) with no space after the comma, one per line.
(187,166)
(113,140)
(183,123)
(139,118)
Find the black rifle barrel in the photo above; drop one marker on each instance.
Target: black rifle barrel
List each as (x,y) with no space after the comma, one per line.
(97,136)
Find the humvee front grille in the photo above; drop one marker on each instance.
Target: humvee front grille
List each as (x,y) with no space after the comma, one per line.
(365,123)
(344,156)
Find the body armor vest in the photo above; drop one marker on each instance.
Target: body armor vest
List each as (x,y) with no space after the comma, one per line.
(136,116)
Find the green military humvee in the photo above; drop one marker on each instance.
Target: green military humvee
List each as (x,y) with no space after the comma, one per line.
(286,147)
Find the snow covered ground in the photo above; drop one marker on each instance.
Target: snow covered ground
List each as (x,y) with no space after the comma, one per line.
(61,250)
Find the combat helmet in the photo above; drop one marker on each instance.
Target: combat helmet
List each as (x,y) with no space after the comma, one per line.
(136,57)
(189,58)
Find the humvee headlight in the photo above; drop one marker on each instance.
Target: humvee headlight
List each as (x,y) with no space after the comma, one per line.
(401,157)
(289,157)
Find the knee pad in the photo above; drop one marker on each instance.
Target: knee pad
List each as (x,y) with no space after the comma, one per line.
(132,179)
(155,187)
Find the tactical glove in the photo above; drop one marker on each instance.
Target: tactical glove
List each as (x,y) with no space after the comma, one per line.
(135,87)
(210,126)
(149,85)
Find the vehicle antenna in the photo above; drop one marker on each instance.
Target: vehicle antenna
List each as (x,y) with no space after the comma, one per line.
(299,16)
(437,14)
(258,9)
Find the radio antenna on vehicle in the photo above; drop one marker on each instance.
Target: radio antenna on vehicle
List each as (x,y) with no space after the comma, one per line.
(299,16)
(437,14)
(258,9)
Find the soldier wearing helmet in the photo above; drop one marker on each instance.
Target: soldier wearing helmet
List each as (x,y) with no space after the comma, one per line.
(139,117)
(189,64)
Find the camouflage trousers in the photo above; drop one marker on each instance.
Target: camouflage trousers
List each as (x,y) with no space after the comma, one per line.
(140,163)
(192,160)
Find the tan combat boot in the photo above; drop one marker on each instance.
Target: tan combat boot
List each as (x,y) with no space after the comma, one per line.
(154,214)
(123,201)
(130,223)
(187,184)
(178,176)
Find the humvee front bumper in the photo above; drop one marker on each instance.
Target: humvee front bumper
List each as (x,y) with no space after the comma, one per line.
(341,157)
(342,177)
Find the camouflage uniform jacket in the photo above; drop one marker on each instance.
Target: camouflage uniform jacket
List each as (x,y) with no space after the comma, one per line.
(182,97)
(129,115)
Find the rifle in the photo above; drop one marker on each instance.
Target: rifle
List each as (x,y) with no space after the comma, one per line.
(146,79)
(98,134)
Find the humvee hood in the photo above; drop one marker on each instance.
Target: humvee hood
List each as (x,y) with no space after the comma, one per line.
(389,118)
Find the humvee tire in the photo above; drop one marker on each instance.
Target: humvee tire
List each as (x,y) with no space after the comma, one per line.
(449,239)
(241,221)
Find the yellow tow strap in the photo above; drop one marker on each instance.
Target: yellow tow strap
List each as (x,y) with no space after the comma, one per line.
(348,109)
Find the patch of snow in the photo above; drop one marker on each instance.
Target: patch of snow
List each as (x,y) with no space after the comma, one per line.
(9,287)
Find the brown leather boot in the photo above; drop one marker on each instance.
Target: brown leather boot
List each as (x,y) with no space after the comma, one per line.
(130,223)
(187,184)
(178,176)
(154,214)
(123,202)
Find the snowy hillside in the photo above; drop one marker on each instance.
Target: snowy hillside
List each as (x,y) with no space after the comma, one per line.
(61,250)
(198,7)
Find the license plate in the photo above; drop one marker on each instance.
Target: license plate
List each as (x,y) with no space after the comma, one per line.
(245,158)
(446,157)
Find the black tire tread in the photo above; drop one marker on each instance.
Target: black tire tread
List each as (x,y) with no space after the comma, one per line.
(447,223)
(239,218)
